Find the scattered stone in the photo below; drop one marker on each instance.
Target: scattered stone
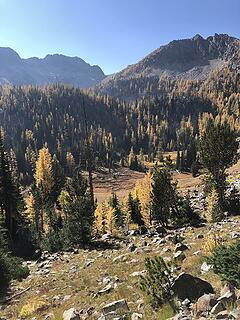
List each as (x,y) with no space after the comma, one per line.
(196,253)
(110,279)
(131,247)
(136,316)
(121,258)
(138,273)
(204,304)
(188,286)
(106,290)
(179,256)
(222,315)
(161,230)
(67,297)
(50,316)
(228,294)
(205,267)
(235,314)
(115,305)
(134,232)
(235,235)
(106,237)
(219,307)
(71,314)
(180,247)
(88,263)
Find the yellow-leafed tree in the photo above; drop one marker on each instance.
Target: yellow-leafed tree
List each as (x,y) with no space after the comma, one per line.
(43,174)
(143,192)
(111,220)
(100,218)
(30,203)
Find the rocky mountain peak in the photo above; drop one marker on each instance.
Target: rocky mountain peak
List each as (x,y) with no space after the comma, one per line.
(54,67)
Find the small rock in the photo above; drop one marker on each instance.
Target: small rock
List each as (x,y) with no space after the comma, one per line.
(121,258)
(50,316)
(205,267)
(131,247)
(136,316)
(222,315)
(138,273)
(179,256)
(71,314)
(180,247)
(106,290)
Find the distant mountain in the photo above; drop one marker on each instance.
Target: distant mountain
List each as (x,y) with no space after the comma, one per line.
(189,59)
(51,69)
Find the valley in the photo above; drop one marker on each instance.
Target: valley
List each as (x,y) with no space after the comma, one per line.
(119,195)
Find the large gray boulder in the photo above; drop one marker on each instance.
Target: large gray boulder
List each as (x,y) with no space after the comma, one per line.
(189,287)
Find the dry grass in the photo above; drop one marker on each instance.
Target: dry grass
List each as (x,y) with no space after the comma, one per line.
(83,284)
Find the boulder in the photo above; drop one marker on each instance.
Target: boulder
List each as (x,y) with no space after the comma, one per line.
(204,304)
(71,314)
(180,247)
(228,294)
(219,307)
(188,286)
(179,256)
(115,305)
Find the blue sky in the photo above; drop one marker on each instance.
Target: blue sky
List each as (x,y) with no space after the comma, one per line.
(110,33)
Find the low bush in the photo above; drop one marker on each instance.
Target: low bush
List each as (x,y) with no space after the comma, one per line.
(226,263)
(157,281)
(11,268)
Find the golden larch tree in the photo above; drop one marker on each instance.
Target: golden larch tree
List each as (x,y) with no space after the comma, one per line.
(143,191)
(43,174)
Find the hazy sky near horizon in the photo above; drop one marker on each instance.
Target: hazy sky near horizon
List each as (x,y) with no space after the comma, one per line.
(110,33)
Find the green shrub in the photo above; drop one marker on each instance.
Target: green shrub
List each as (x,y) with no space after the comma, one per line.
(157,281)
(226,263)
(186,215)
(11,268)
(52,242)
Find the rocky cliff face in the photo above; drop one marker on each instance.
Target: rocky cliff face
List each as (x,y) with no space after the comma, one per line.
(51,69)
(192,59)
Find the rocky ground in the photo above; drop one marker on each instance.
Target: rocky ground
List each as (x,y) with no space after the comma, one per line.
(103,282)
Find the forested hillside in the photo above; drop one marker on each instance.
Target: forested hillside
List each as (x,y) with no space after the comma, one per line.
(164,119)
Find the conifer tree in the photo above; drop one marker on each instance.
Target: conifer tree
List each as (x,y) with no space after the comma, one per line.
(163,195)
(114,204)
(78,211)
(134,210)
(11,202)
(218,151)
